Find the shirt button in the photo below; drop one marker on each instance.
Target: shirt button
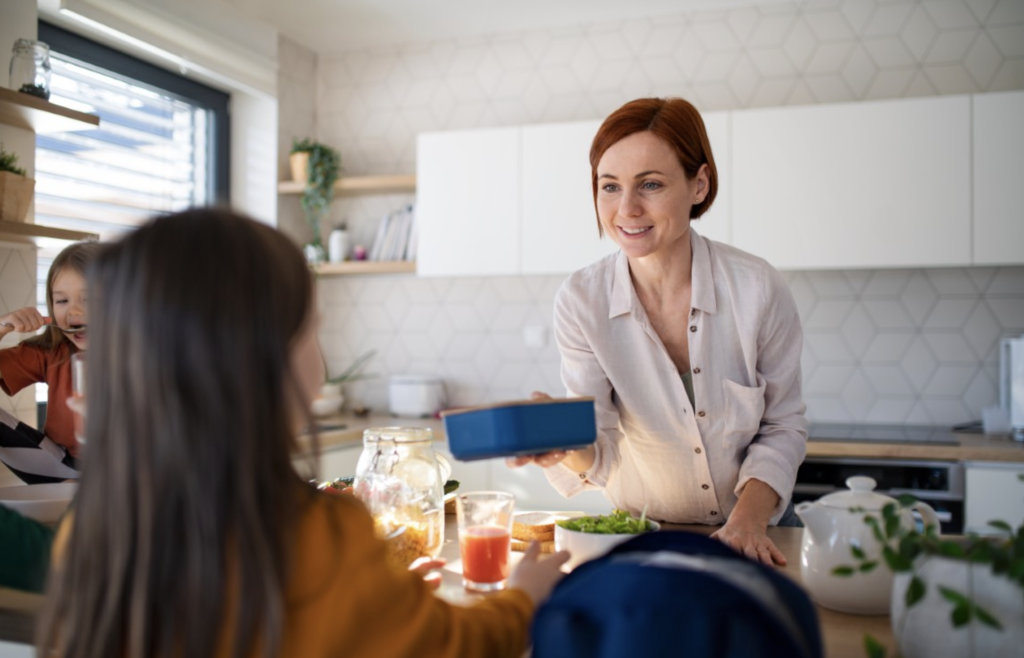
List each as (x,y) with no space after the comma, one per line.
(700,413)
(704,487)
(714,513)
(697,450)
(693,311)
(693,328)
(583,476)
(696,371)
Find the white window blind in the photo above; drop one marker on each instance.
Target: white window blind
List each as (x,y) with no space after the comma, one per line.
(149,156)
(154,153)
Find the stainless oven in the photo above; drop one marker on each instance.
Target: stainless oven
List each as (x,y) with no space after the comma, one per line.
(938,483)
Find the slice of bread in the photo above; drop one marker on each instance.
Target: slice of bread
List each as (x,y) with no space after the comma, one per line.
(545,546)
(530,526)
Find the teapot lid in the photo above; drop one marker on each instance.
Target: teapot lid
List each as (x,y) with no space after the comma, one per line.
(860,494)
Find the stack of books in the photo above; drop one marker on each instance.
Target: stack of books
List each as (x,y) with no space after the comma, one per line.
(396,236)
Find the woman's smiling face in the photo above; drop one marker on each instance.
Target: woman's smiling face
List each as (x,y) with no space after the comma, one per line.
(69,311)
(643,195)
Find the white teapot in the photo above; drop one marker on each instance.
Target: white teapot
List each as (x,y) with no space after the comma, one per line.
(831,529)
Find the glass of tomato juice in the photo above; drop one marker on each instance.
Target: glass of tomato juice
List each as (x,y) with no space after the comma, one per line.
(485,538)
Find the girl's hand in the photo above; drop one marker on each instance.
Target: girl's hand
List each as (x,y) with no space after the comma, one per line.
(427,568)
(24,320)
(538,577)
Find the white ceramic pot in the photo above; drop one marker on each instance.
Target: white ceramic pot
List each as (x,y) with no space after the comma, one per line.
(926,629)
(832,526)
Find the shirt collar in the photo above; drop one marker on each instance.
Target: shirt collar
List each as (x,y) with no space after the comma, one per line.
(702,294)
(703,282)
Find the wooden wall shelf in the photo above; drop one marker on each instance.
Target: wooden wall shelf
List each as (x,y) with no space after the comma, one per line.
(24,232)
(366,267)
(353,185)
(33,113)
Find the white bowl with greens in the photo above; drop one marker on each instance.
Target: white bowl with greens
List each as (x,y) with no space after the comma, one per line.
(590,537)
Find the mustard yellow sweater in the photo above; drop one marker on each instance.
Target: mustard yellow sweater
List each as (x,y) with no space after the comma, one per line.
(346,599)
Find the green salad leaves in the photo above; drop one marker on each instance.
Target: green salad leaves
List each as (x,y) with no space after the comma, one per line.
(618,522)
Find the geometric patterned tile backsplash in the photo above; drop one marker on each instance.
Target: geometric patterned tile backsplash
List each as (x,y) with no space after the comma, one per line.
(881,346)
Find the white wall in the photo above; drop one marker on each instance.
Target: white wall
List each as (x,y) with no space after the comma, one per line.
(881,346)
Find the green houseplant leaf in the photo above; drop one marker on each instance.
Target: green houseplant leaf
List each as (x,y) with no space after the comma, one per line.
(9,162)
(323,171)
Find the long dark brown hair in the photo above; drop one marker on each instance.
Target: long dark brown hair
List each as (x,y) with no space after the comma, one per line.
(675,121)
(75,257)
(188,495)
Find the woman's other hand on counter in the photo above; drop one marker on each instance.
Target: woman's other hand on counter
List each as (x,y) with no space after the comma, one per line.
(752,541)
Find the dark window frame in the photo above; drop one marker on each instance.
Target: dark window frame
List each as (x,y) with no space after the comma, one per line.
(214,100)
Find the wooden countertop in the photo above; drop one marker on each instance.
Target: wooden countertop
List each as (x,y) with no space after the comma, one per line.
(969,447)
(842,634)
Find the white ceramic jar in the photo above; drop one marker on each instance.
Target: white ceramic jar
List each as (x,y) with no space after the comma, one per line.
(833,526)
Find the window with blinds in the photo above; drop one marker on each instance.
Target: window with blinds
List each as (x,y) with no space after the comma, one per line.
(149,156)
(162,146)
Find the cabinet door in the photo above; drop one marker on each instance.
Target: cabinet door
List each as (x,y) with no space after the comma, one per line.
(533,492)
(467,202)
(870,184)
(338,462)
(993,491)
(559,221)
(998,174)
(717,222)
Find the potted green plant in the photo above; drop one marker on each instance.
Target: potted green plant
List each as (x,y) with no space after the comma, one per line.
(15,188)
(952,596)
(322,168)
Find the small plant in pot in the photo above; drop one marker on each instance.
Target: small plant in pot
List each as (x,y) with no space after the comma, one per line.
(332,393)
(15,188)
(952,596)
(322,168)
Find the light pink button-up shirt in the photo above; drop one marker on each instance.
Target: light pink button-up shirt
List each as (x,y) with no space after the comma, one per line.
(686,463)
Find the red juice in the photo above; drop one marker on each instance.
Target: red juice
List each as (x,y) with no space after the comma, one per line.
(485,552)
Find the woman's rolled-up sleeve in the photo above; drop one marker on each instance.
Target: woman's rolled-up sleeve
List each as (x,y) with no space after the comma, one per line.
(583,376)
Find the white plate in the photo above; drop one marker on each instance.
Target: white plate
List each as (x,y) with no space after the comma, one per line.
(43,502)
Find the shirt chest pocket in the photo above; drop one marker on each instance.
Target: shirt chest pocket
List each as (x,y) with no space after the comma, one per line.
(744,408)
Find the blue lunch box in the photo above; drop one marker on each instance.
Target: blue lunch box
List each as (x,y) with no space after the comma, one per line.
(521,427)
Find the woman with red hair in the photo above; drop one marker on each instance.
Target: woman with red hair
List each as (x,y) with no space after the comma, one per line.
(690,347)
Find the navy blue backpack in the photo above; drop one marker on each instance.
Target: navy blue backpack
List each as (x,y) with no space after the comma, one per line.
(676,594)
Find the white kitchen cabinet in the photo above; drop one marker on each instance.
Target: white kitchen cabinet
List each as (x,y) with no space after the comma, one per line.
(998,121)
(558,217)
(993,491)
(467,202)
(338,462)
(716,223)
(854,185)
(472,476)
(533,492)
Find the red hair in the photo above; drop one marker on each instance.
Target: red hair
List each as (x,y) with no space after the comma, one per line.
(675,121)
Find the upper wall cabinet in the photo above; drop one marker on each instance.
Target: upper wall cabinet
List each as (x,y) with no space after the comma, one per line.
(999,178)
(520,201)
(717,222)
(467,202)
(869,184)
(558,217)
